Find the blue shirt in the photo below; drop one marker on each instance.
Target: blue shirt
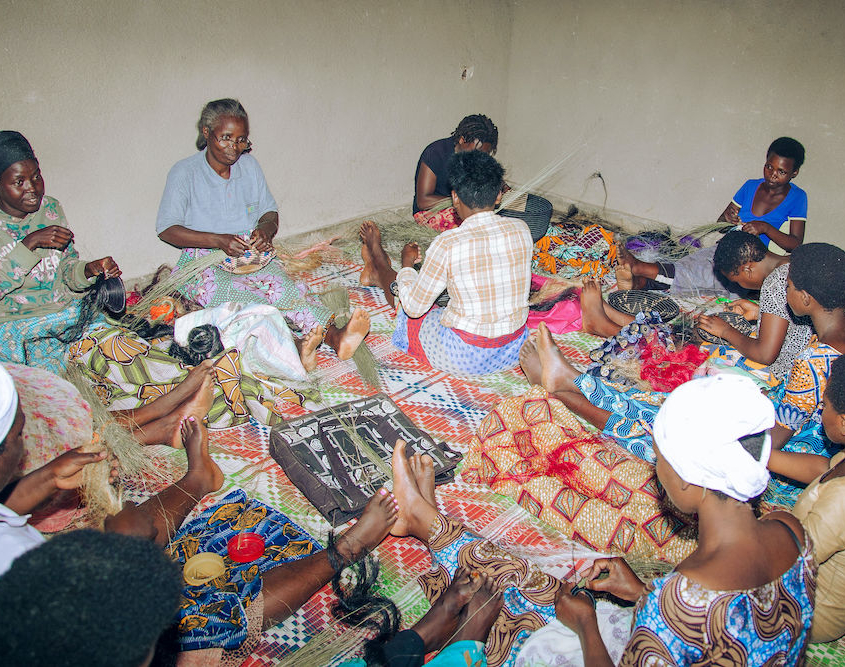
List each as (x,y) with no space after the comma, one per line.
(196,197)
(793,206)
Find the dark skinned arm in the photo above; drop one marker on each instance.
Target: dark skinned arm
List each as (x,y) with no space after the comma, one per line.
(764,349)
(802,468)
(182,237)
(788,241)
(780,436)
(426,182)
(730,214)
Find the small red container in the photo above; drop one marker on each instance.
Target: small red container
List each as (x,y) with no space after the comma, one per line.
(245,547)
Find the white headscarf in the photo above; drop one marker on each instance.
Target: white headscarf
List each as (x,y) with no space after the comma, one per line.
(8,402)
(698,428)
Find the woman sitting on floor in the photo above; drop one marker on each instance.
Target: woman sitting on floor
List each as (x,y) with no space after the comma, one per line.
(745,595)
(218,199)
(41,269)
(431,180)
(820,507)
(486,266)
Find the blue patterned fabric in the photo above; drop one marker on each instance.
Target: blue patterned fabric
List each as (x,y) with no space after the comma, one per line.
(444,349)
(214,615)
(682,623)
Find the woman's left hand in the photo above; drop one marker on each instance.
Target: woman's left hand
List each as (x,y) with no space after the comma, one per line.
(574,611)
(65,471)
(261,240)
(411,254)
(107,266)
(757,227)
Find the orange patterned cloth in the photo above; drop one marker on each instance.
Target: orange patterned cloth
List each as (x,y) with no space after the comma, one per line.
(588,252)
(534,449)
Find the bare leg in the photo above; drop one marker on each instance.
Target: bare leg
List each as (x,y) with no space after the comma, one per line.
(290,585)
(440,623)
(169,508)
(631,273)
(480,612)
(416,514)
(377,269)
(169,402)
(345,341)
(593,318)
(616,316)
(307,346)
(581,406)
(166,430)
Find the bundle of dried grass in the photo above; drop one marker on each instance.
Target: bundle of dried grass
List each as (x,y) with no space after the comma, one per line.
(133,461)
(553,290)
(337,301)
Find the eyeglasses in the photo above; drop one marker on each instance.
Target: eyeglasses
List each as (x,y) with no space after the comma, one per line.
(242,142)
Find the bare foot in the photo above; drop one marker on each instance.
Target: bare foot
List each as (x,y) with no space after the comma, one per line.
(196,407)
(378,271)
(188,387)
(593,318)
(422,465)
(480,612)
(557,374)
(353,332)
(624,277)
(441,621)
(529,360)
(371,528)
(201,467)
(308,345)
(631,273)
(416,514)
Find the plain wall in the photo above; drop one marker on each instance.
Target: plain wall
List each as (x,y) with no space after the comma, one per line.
(342,97)
(674,102)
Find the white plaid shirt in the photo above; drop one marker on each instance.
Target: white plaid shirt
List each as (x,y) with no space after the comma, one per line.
(486,266)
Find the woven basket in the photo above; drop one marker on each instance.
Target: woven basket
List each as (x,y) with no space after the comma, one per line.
(633,301)
(249,262)
(537,215)
(736,320)
(441,300)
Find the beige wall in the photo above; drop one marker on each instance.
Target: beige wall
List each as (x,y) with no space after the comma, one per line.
(341,97)
(677,101)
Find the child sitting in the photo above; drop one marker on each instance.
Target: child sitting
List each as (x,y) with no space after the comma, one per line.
(486,266)
(762,206)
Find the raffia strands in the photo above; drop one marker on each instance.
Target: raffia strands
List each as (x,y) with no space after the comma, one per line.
(99,496)
(184,276)
(553,288)
(337,301)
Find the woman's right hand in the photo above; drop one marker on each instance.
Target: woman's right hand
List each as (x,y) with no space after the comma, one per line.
(749,310)
(232,244)
(620,581)
(54,237)
(713,324)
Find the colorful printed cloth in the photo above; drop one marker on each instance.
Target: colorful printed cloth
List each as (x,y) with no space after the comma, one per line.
(269,285)
(571,250)
(127,372)
(442,220)
(632,412)
(800,410)
(455,351)
(529,593)
(533,449)
(724,358)
(214,614)
(681,622)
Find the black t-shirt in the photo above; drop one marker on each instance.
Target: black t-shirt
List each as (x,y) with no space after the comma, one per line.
(435,156)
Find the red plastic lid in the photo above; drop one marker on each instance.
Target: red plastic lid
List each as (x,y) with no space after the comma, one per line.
(245,547)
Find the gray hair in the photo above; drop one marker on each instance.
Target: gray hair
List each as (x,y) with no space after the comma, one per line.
(213,112)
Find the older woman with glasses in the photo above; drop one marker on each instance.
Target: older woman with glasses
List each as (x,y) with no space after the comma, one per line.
(218,199)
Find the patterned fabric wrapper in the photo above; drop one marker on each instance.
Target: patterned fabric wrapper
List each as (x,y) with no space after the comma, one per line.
(533,449)
(570,251)
(529,593)
(269,285)
(127,372)
(446,349)
(439,220)
(214,614)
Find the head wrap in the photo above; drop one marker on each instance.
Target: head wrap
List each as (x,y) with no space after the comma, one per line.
(8,403)
(698,428)
(13,148)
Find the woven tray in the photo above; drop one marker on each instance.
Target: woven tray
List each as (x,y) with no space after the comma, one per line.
(736,320)
(633,301)
(249,262)
(441,300)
